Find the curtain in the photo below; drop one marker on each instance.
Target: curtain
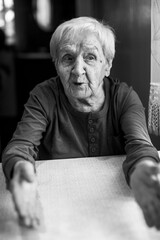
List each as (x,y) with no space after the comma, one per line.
(154,96)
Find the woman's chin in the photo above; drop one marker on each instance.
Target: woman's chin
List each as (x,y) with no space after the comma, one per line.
(81,95)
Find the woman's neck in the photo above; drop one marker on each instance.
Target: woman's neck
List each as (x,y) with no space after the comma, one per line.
(91,104)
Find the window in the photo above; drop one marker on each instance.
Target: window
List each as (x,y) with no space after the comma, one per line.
(43,13)
(7,20)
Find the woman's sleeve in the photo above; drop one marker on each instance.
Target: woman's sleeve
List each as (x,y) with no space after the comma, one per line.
(137,140)
(27,136)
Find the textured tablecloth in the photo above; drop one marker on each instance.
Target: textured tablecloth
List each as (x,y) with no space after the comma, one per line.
(79,199)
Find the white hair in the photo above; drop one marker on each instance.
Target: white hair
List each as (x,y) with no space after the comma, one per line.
(69,28)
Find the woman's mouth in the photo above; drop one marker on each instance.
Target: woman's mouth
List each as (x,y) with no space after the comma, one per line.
(78,83)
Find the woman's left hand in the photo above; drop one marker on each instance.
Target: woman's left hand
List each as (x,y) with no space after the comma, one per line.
(145,184)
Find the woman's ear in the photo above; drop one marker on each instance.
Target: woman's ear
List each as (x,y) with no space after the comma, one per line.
(56,66)
(108,67)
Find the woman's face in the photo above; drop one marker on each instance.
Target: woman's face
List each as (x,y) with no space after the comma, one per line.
(82,66)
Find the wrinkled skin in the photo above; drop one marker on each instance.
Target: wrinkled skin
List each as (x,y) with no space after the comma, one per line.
(145,184)
(82,67)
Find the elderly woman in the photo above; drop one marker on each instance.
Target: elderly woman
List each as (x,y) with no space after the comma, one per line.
(82,113)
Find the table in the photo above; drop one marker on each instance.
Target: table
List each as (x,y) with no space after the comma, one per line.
(79,199)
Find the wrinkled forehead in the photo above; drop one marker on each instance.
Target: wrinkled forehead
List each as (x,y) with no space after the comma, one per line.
(80,39)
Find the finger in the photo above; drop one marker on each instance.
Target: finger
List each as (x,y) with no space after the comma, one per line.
(25,221)
(34,215)
(156,206)
(27,216)
(31,221)
(152,214)
(35,222)
(148,216)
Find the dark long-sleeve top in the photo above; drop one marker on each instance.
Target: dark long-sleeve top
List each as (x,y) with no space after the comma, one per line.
(51,128)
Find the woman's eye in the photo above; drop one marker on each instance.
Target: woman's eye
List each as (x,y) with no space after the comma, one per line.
(67,58)
(91,57)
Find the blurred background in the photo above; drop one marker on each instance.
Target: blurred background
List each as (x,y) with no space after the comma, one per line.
(25,31)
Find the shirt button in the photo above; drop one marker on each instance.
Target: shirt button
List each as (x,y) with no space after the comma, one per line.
(91,130)
(93,149)
(90,121)
(93,139)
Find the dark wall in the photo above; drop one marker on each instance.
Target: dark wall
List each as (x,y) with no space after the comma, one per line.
(30,37)
(32,62)
(131,20)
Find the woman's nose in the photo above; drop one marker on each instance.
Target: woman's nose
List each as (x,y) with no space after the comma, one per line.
(78,67)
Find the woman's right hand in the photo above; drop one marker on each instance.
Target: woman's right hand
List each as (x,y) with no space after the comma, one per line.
(23,187)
